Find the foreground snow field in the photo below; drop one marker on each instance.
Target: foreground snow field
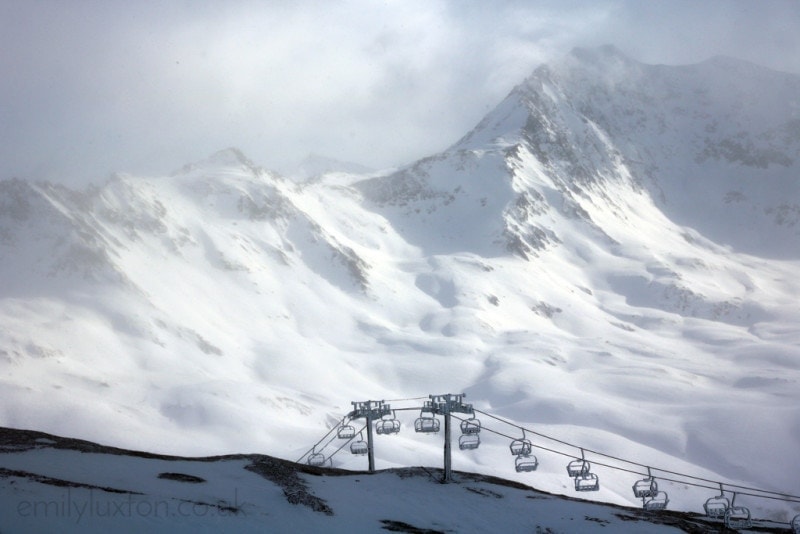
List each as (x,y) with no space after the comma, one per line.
(53,484)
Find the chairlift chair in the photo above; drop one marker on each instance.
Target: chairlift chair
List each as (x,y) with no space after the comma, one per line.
(346,432)
(796,524)
(316,459)
(426,425)
(716,507)
(738,517)
(471,426)
(525,463)
(469,441)
(359,447)
(587,482)
(578,467)
(522,446)
(427,410)
(647,487)
(389,425)
(658,501)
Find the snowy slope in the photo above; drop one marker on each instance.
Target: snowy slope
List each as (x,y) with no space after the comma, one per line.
(715,144)
(609,257)
(52,484)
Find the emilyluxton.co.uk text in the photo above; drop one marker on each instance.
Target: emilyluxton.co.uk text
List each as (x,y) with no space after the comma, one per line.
(85,509)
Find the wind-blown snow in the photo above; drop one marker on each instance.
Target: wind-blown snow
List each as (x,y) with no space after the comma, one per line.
(610,257)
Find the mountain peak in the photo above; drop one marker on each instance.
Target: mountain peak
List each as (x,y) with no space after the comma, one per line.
(598,116)
(605,65)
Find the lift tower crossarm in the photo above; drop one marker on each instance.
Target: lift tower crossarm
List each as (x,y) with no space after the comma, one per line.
(371,410)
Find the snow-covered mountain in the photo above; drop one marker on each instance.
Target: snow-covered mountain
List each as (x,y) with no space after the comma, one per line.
(611,257)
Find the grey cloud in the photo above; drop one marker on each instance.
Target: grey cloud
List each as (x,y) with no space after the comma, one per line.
(94,87)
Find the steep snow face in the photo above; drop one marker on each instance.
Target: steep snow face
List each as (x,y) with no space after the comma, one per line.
(108,294)
(715,144)
(41,240)
(552,264)
(449,203)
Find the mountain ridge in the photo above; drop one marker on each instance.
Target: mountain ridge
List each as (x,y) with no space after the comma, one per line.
(545,264)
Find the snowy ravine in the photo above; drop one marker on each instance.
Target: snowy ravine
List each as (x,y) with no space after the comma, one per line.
(610,257)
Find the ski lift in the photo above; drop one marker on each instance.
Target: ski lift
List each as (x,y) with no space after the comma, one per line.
(469,441)
(587,482)
(578,467)
(427,408)
(388,426)
(796,524)
(316,459)
(359,447)
(716,507)
(737,517)
(471,426)
(346,432)
(521,447)
(525,463)
(426,424)
(656,502)
(646,487)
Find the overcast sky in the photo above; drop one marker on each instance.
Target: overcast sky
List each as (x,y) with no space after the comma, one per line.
(144,86)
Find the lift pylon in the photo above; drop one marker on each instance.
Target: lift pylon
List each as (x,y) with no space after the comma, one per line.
(445,405)
(371,411)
